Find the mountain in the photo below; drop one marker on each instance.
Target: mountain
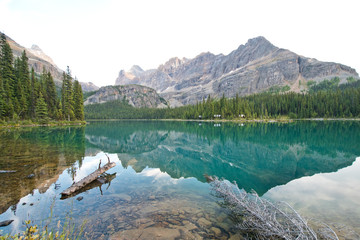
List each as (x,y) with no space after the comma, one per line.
(88,86)
(39,60)
(136,95)
(252,68)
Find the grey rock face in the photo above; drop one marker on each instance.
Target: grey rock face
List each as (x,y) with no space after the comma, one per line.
(39,60)
(136,95)
(253,67)
(88,86)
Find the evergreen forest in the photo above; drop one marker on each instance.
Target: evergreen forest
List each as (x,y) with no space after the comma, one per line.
(326,99)
(26,96)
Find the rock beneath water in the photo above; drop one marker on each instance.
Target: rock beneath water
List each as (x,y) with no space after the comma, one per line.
(152,197)
(5,223)
(190,226)
(79,198)
(237,236)
(30,176)
(147,234)
(123,196)
(217,231)
(204,222)
(174,222)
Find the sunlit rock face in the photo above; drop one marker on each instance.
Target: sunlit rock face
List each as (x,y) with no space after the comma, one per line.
(253,67)
(38,60)
(135,95)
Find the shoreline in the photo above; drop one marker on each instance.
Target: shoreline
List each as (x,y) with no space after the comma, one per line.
(51,124)
(79,123)
(270,120)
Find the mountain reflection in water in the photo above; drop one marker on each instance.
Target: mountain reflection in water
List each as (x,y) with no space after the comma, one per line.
(257,156)
(159,178)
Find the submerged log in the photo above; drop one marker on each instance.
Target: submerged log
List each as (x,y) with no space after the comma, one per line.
(98,182)
(83,182)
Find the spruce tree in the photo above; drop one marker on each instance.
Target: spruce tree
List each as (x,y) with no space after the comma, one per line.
(41,110)
(2,102)
(32,102)
(78,101)
(50,94)
(67,96)
(25,84)
(7,75)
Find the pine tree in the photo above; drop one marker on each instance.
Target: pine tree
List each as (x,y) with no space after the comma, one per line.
(41,110)
(67,96)
(8,76)
(25,84)
(50,94)
(2,102)
(78,101)
(32,101)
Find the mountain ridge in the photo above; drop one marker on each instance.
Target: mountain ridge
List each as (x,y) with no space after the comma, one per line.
(39,60)
(251,68)
(135,95)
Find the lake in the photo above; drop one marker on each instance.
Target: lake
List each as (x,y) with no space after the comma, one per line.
(158,188)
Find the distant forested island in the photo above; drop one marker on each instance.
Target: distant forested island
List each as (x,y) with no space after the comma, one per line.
(33,99)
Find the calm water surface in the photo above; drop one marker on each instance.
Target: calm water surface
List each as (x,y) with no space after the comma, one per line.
(158,188)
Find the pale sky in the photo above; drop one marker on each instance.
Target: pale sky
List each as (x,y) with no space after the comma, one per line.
(98,38)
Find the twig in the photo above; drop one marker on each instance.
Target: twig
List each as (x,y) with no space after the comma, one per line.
(108,158)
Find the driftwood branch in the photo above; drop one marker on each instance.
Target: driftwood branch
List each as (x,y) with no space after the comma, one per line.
(262,219)
(90,178)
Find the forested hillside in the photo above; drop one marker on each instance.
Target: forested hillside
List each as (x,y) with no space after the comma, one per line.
(25,96)
(326,100)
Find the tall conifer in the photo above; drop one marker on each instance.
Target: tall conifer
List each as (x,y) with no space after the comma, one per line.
(78,101)
(7,75)
(41,110)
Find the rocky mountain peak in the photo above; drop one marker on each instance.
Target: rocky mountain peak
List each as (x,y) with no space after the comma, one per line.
(136,70)
(260,40)
(39,60)
(36,48)
(171,64)
(253,67)
(88,86)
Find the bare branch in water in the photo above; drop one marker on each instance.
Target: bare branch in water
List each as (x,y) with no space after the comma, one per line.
(262,219)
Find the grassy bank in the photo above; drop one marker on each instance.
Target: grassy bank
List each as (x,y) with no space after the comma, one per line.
(29,123)
(236,120)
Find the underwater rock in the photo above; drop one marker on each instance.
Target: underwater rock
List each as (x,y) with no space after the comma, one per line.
(204,222)
(148,233)
(30,176)
(217,231)
(122,196)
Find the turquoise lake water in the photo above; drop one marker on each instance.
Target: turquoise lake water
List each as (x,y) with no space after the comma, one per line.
(158,188)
